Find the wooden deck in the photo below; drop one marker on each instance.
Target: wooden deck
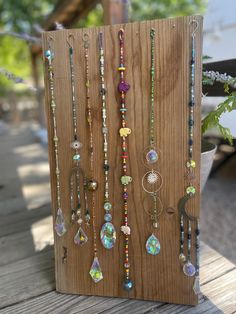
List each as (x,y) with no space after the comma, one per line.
(27,282)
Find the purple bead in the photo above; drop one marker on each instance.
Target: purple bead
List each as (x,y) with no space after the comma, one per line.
(123,87)
(125,195)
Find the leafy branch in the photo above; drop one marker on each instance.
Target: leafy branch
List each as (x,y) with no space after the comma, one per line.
(213,118)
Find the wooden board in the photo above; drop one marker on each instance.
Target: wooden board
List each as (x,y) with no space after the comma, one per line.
(160,277)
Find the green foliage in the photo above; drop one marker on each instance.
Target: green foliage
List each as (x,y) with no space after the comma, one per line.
(22,15)
(94,18)
(213,118)
(150,9)
(14,56)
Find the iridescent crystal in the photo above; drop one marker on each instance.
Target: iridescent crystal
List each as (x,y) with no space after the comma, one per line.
(152,156)
(95,271)
(189,269)
(153,245)
(60,223)
(196,285)
(80,237)
(108,235)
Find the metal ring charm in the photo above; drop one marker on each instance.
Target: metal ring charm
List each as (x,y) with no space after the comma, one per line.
(152,177)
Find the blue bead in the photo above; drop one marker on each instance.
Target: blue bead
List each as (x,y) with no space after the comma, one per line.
(190,142)
(128,285)
(107,217)
(191,122)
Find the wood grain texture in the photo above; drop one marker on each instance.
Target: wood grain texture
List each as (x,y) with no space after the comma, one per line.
(28,290)
(160,277)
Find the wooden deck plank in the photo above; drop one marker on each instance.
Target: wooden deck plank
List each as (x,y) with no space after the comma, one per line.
(27,279)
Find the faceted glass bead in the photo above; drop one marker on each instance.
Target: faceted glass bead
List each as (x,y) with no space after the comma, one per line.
(76,157)
(60,223)
(196,285)
(80,237)
(128,284)
(107,206)
(107,217)
(48,54)
(108,235)
(190,190)
(95,271)
(182,258)
(191,164)
(189,269)
(153,245)
(152,156)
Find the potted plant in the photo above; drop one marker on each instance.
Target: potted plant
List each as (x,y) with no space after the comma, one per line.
(212,120)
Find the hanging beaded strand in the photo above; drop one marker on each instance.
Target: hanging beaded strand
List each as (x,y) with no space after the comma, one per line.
(76,214)
(124,131)
(152,180)
(60,226)
(108,232)
(92,185)
(189,268)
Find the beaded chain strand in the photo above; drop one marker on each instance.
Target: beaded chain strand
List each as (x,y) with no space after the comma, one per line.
(60,226)
(189,268)
(92,185)
(108,232)
(76,214)
(152,180)
(123,87)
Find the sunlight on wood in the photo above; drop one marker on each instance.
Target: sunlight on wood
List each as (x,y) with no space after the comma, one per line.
(42,233)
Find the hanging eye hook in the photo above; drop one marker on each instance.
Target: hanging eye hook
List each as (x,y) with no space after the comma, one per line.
(194,22)
(86,40)
(70,40)
(121,34)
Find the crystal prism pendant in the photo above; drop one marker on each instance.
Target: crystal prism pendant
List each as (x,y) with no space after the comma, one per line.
(80,237)
(60,223)
(189,269)
(153,245)
(196,285)
(108,235)
(95,271)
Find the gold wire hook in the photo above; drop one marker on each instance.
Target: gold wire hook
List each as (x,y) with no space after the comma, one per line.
(70,40)
(121,34)
(86,40)
(196,26)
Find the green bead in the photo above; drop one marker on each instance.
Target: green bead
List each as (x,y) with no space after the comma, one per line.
(191,163)
(190,190)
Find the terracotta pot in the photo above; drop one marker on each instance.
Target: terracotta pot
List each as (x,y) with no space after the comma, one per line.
(207,157)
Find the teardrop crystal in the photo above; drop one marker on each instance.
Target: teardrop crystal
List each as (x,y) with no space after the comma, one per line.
(108,235)
(153,245)
(95,271)
(60,226)
(80,237)
(196,285)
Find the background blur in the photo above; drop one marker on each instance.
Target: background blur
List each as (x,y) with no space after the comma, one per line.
(25,217)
